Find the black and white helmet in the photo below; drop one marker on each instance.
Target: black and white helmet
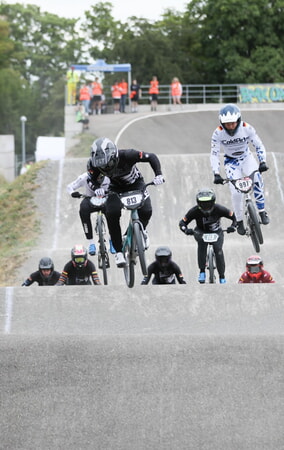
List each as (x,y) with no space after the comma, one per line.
(104,155)
(163,256)
(46,263)
(230,113)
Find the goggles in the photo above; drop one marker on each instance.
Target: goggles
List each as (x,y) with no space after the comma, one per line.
(79,259)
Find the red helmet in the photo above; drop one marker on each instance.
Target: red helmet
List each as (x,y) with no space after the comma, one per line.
(254,265)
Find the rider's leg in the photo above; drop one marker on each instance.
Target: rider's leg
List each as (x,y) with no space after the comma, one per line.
(219,254)
(234,171)
(113,213)
(145,212)
(85,215)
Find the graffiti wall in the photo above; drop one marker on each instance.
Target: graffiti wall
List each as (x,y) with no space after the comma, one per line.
(261,93)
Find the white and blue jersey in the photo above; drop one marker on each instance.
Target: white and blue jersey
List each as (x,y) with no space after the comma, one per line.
(239,160)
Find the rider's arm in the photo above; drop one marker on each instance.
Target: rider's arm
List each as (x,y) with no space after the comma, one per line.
(62,279)
(257,143)
(178,274)
(76,184)
(28,282)
(215,152)
(150,271)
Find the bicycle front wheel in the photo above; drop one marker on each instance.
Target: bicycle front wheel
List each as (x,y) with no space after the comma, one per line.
(211,264)
(254,227)
(129,273)
(140,247)
(103,258)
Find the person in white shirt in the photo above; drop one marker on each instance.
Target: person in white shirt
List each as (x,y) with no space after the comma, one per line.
(94,186)
(234,136)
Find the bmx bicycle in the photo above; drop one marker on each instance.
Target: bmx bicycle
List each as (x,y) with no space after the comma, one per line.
(244,185)
(208,238)
(100,230)
(134,240)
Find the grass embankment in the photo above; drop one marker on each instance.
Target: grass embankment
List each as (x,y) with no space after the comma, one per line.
(19,226)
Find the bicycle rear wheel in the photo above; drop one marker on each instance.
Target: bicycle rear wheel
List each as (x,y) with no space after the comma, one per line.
(140,247)
(103,258)
(128,268)
(211,264)
(254,227)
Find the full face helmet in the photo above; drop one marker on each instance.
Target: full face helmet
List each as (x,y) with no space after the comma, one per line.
(205,200)
(46,264)
(163,256)
(104,155)
(90,170)
(230,113)
(79,256)
(254,265)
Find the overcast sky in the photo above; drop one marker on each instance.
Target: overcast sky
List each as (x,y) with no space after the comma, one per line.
(122,9)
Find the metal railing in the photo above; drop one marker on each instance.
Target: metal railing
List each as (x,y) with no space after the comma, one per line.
(192,93)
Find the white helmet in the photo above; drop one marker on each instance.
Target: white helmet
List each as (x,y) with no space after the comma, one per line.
(230,113)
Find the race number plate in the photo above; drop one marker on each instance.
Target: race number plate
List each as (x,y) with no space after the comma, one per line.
(132,201)
(244,184)
(210,237)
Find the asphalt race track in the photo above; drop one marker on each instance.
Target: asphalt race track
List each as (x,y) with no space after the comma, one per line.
(154,367)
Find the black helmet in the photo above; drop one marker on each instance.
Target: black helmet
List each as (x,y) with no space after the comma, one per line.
(163,256)
(205,199)
(104,155)
(79,256)
(230,113)
(46,263)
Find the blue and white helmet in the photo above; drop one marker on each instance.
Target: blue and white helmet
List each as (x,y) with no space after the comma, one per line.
(230,113)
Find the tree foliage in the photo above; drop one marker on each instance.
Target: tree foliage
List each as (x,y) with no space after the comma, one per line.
(211,42)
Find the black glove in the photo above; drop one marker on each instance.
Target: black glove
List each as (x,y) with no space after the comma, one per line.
(182,225)
(189,232)
(263,167)
(218,179)
(231,229)
(76,195)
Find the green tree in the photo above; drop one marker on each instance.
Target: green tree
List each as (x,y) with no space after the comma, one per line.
(240,41)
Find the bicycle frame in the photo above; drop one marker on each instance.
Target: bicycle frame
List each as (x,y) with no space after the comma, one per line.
(244,185)
(134,240)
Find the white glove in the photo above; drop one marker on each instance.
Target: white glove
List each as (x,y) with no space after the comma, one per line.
(100,192)
(159,179)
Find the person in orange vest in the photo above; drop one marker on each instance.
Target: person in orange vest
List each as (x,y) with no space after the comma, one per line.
(124,89)
(154,91)
(116,96)
(176,91)
(85,97)
(96,102)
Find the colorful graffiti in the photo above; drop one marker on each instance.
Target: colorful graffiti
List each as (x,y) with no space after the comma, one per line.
(262,93)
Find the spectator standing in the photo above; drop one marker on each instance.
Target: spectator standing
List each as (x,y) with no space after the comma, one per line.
(135,94)
(85,97)
(97,92)
(176,91)
(116,96)
(72,80)
(124,89)
(154,91)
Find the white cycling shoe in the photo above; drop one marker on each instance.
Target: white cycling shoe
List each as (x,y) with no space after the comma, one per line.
(119,259)
(147,239)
